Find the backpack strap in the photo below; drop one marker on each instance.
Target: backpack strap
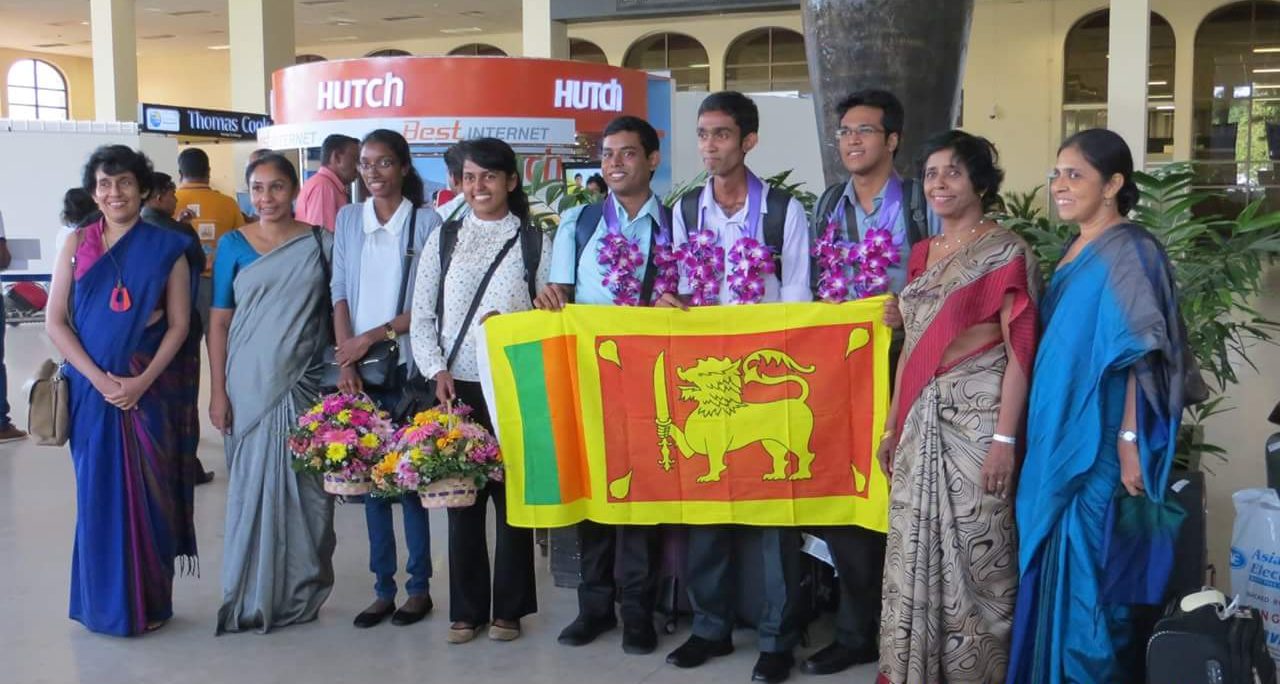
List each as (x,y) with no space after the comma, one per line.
(407,265)
(650,268)
(584,228)
(448,240)
(775,223)
(916,217)
(689,204)
(531,253)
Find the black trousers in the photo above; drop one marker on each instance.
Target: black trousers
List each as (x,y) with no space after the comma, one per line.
(618,560)
(512,594)
(713,577)
(859,557)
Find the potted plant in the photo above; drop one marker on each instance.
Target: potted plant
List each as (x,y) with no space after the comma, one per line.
(340,438)
(1218,264)
(442,456)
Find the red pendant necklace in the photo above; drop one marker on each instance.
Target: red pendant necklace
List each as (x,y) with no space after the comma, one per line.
(120,299)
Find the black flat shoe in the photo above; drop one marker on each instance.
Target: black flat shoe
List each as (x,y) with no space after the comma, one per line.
(639,637)
(696,651)
(837,658)
(584,630)
(404,616)
(374,614)
(772,668)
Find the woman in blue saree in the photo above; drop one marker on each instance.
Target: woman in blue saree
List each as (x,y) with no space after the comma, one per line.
(119,324)
(1113,374)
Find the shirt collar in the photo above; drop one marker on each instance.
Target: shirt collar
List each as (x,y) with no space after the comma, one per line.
(852,197)
(650,208)
(708,201)
(395,225)
(328,174)
(193,185)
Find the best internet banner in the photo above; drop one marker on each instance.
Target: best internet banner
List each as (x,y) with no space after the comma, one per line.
(761,415)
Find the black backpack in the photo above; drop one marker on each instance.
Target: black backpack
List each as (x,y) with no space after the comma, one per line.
(586,226)
(1211,644)
(775,219)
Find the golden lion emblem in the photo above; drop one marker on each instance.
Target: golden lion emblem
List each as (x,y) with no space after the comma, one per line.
(724,423)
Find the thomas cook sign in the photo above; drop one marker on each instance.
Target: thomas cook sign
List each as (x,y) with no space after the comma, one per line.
(213,123)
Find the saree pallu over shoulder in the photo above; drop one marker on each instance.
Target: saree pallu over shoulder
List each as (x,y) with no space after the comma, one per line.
(277,564)
(961,291)
(133,509)
(1112,310)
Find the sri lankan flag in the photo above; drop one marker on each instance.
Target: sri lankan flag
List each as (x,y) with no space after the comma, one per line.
(762,415)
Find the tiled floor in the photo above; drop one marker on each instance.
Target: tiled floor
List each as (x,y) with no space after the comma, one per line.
(38,644)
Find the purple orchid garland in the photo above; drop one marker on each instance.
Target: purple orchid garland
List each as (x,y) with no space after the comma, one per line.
(869,259)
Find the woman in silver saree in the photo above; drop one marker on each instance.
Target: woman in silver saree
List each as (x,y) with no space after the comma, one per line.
(268,328)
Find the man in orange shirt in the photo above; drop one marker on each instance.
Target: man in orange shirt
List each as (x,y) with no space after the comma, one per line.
(210,212)
(326,192)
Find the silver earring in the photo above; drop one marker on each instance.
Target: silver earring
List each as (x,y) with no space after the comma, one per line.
(1108,201)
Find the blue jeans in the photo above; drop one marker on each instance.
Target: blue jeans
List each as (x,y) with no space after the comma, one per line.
(382,533)
(4,376)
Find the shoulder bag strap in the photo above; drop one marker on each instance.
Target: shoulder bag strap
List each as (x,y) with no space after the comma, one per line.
(531,256)
(448,239)
(775,224)
(324,258)
(475,301)
(409,253)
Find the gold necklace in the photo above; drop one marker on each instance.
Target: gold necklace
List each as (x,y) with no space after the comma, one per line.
(950,244)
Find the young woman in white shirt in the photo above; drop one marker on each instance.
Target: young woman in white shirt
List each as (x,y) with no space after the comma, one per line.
(489,238)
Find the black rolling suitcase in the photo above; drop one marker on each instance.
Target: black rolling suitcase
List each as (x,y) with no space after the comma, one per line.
(1203,641)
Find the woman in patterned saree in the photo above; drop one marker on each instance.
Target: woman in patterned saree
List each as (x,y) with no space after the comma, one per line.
(119,324)
(949,446)
(267,328)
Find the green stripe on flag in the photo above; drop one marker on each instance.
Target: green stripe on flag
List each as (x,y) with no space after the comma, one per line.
(541,473)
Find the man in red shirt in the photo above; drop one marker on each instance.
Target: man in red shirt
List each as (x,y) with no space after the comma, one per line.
(326,192)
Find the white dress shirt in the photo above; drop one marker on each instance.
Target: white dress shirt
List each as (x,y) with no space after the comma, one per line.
(381,265)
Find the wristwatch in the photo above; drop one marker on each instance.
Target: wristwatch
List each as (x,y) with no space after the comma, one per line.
(1129,436)
(390,331)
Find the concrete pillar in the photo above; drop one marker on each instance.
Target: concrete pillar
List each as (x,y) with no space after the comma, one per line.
(262,41)
(115,60)
(1184,60)
(543,37)
(1127,71)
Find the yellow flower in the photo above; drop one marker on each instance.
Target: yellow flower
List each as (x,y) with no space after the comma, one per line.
(416,456)
(316,410)
(370,440)
(387,465)
(336,452)
(344,416)
(313,426)
(454,434)
(442,443)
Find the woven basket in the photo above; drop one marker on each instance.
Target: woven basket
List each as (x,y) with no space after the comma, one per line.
(341,486)
(451,492)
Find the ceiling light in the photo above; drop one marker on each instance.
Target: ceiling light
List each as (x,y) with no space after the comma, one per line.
(188,13)
(158,36)
(469,29)
(1165,108)
(1157,83)
(316,3)
(1265,50)
(339,39)
(698,66)
(219,47)
(1159,97)
(472,13)
(1267,71)
(1266,86)
(404,17)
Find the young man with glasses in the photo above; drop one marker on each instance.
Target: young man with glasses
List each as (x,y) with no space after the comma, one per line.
(875,196)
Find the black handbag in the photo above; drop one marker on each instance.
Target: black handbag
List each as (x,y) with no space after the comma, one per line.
(377,368)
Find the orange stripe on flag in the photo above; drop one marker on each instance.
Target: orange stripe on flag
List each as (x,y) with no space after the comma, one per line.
(562,379)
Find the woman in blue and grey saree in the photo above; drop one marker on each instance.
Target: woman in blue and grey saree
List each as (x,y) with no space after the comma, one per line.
(268,326)
(118,314)
(1112,376)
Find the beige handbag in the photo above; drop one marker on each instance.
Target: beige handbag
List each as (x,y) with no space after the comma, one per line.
(49,411)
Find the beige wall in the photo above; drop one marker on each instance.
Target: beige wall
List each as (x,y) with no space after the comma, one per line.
(77,70)
(508,42)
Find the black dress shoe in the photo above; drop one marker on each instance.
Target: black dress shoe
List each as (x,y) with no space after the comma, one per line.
(205,477)
(772,668)
(404,616)
(639,637)
(837,658)
(697,651)
(584,630)
(374,614)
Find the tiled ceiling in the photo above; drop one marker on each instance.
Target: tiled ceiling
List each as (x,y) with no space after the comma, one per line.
(174,26)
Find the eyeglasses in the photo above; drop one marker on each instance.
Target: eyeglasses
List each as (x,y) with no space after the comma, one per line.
(859,132)
(383,163)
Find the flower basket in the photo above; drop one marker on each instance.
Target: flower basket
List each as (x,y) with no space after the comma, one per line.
(341,438)
(357,485)
(453,492)
(441,456)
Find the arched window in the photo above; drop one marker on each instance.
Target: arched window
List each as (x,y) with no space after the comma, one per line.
(682,55)
(586,51)
(308,58)
(767,60)
(37,90)
(390,52)
(1084,97)
(1236,100)
(477,50)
